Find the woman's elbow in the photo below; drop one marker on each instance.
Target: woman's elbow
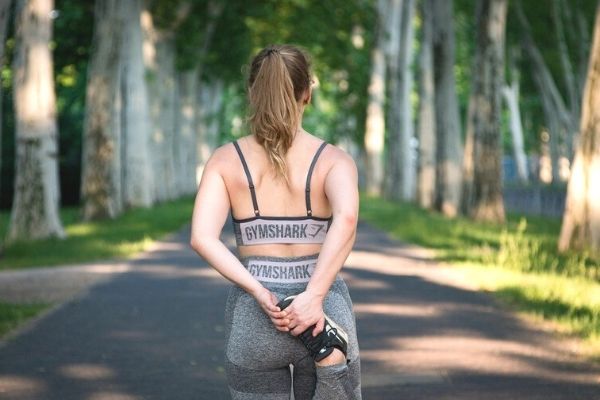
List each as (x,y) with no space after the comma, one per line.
(349,220)
(198,243)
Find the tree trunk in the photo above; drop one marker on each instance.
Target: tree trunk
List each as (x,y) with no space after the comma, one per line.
(210,101)
(375,120)
(487,202)
(448,180)
(560,120)
(399,178)
(393,121)
(185,133)
(159,60)
(137,180)
(574,96)
(35,210)
(4,10)
(466,198)
(581,221)
(101,187)
(511,96)
(426,127)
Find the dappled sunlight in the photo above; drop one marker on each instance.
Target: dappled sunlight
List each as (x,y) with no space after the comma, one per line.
(396,310)
(19,385)
(87,371)
(81,229)
(457,351)
(112,395)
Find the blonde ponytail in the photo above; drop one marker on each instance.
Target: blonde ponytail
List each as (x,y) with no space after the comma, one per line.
(279,77)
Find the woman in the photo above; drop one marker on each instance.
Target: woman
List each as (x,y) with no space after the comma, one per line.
(294,205)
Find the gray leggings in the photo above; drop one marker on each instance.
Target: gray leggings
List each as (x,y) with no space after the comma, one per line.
(264,363)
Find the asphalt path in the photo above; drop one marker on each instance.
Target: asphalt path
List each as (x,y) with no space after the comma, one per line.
(153,329)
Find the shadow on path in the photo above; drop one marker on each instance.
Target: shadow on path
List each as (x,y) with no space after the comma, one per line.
(155,331)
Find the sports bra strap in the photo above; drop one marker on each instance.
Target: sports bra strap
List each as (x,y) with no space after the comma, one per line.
(308,177)
(249,177)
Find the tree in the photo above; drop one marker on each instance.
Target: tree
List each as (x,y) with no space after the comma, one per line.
(511,93)
(101,162)
(448,179)
(159,61)
(581,220)
(426,124)
(37,197)
(137,180)
(4,10)
(375,121)
(559,118)
(400,171)
(488,75)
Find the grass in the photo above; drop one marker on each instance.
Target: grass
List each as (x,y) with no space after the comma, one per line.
(517,261)
(12,315)
(122,237)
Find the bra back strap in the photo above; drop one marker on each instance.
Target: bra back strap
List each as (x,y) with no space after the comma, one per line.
(308,177)
(249,177)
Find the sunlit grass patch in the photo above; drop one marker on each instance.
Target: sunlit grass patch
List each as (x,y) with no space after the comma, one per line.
(517,261)
(122,237)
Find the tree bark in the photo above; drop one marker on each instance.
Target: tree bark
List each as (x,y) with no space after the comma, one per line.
(573,94)
(101,163)
(581,220)
(4,10)
(159,61)
(185,133)
(487,202)
(210,101)
(36,202)
(393,117)
(448,178)
(137,180)
(426,126)
(511,96)
(400,169)
(375,120)
(560,120)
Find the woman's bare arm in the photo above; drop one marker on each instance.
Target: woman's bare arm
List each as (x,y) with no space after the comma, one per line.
(341,188)
(211,208)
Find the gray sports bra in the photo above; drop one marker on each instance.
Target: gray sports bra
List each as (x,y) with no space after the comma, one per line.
(262,229)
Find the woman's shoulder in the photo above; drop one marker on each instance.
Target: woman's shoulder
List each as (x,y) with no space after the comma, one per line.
(221,156)
(335,156)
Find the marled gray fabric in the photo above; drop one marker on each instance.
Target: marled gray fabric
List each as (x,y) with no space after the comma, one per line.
(258,356)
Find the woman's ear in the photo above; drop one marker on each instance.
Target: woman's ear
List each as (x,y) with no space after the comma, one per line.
(308,96)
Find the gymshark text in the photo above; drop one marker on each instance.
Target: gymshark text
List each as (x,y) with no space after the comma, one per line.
(283,231)
(281,271)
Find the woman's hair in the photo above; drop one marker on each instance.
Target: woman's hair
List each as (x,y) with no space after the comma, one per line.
(279,76)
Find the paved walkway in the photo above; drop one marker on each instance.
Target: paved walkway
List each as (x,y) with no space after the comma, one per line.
(151,328)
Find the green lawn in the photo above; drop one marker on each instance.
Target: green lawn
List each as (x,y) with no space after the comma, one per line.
(517,261)
(122,237)
(119,238)
(11,315)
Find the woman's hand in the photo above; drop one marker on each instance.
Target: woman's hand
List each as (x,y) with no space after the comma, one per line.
(306,310)
(268,302)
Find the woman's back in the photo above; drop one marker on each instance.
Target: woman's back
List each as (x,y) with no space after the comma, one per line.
(293,239)
(274,197)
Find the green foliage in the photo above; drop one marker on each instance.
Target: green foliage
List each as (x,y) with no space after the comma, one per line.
(130,233)
(523,244)
(11,315)
(336,34)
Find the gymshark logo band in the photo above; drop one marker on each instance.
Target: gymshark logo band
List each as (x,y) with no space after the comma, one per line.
(284,232)
(266,271)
